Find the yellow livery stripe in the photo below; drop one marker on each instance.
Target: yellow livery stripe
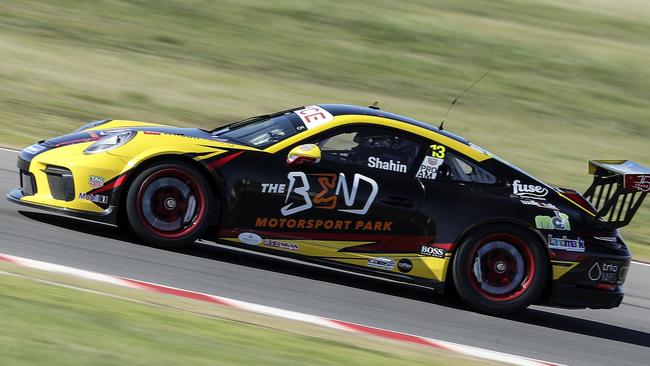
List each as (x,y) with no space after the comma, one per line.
(404,126)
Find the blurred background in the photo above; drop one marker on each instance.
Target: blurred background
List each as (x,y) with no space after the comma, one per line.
(571,80)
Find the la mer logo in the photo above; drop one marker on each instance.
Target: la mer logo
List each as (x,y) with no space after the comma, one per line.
(643,184)
(528,190)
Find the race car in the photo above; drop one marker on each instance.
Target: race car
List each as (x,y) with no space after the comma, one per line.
(352,187)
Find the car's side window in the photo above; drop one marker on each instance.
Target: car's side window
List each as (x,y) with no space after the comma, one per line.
(464,170)
(371,147)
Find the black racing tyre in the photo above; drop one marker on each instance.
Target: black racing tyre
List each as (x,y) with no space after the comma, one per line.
(168,205)
(500,269)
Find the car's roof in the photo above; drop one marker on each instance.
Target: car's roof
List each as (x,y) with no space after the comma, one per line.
(345,109)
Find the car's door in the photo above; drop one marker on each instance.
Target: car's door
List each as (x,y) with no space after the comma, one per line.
(360,196)
(457,193)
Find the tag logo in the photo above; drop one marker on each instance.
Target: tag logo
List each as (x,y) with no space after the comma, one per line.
(95,181)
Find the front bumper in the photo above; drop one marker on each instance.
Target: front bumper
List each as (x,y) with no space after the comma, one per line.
(107,216)
(66,181)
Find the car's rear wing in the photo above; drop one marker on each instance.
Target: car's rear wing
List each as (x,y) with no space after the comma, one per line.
(618,189)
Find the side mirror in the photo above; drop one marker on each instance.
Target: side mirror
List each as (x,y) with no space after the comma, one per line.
(304,154)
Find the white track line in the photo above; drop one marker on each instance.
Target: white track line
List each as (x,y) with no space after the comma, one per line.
(277,312)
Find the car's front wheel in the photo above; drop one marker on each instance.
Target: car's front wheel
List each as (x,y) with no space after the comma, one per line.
(500,269)
(168,205)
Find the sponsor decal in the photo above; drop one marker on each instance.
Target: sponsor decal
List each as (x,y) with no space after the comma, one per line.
(97,198)
(404,265)
(528,190)
(479,149)
(438,151)
(317,224)
(642,184)
(433,251)
(34,149)
(539,204)
(382,263)
(607,273)
(570,245)
(622,274)
(429,168)
(280,244)
(314,116)
(95,181)
(336,193)
(274,188)
(377,163)
(611,239)
(306,147)
(558,222)
(250,238)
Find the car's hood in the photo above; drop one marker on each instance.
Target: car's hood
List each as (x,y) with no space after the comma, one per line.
(98,129)
(101,129)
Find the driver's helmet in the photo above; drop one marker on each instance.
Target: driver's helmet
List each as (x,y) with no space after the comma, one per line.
(370,140)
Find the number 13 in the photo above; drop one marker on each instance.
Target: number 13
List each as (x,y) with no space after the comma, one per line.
(438,151)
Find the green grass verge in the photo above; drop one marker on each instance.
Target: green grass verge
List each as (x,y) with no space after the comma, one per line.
(44,323)
(570,82)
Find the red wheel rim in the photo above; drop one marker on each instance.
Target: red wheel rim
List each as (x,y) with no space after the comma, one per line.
(171,203)
(501,267)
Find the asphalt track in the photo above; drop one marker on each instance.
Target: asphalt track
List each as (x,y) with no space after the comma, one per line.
(576,337)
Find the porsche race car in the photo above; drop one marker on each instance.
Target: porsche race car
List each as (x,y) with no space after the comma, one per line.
(354,187)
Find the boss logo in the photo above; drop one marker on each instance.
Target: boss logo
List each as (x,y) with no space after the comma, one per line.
(433,251)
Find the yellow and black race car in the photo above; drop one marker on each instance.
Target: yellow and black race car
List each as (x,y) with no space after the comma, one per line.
(355,187)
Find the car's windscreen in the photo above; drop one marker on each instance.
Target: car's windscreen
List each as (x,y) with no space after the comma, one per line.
(259,134)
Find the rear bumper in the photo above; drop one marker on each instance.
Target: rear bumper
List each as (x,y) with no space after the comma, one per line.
(596,281)
(576,297)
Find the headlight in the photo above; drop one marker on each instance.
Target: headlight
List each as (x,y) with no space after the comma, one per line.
(92,124)
(114,139)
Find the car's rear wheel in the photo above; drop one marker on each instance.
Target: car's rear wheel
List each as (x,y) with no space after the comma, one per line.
(168,205)
(500,269)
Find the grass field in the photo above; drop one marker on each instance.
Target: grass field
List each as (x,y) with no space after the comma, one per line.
(571,79)
(117,326)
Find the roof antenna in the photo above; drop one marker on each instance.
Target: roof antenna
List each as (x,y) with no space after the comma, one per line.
(374,105)
(459,96)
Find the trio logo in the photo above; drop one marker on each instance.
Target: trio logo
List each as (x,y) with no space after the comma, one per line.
(333,186)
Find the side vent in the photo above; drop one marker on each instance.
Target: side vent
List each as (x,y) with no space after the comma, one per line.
(61,183)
